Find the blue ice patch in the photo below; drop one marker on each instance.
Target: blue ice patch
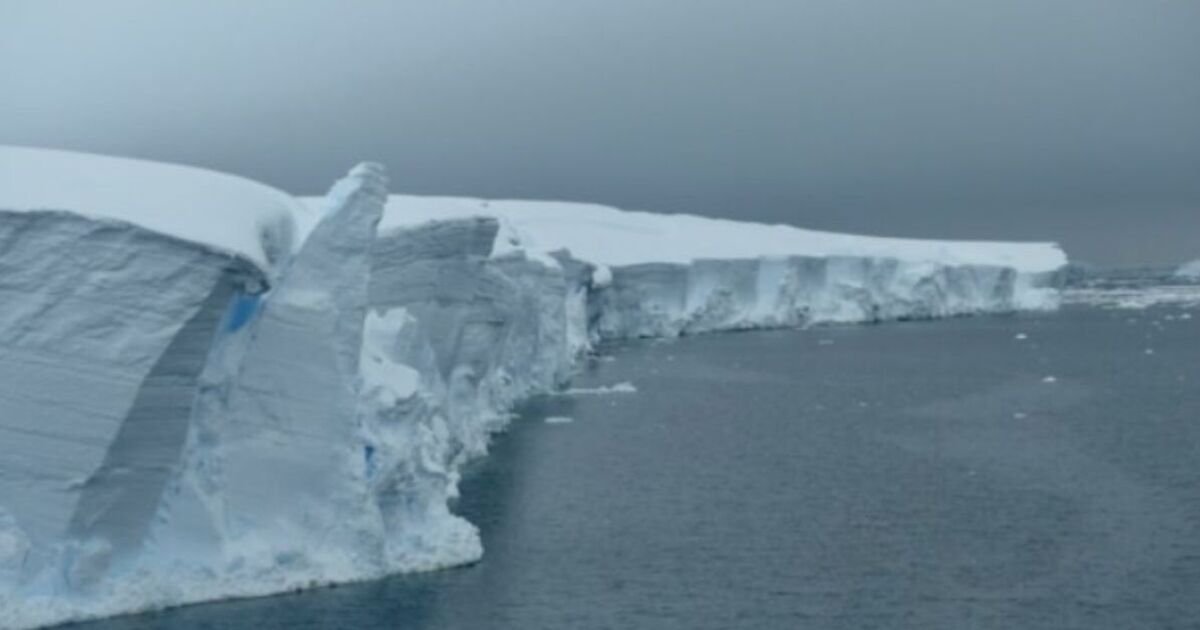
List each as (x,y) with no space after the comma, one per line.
(369,459)
(241,311)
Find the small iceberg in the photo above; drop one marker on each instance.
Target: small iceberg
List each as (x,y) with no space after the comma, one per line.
(620,388)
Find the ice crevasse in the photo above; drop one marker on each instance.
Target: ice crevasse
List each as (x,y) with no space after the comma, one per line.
(212,389)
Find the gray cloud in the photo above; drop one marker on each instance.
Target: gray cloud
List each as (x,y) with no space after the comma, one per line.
(1074,120)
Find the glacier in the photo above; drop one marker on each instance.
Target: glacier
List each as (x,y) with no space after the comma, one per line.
(213,389)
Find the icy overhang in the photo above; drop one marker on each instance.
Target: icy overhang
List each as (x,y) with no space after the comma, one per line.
(219,211)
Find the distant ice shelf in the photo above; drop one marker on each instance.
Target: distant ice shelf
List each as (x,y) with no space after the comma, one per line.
(210,389)
(1178,296)
(1189,271)
(658,275)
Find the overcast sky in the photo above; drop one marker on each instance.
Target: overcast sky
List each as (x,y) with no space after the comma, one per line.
(1077,121)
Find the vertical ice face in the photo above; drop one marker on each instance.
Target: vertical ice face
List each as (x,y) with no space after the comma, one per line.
(282,470)
(437,313)
(169,433)
(578,277)
(467,334)
(118,502)
(644,300)
(536,353)
(667,299)
(104,331)
(662,274)
(722,294)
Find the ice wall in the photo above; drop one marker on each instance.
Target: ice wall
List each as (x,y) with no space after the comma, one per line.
(188,415)
(668,299)
(665,275)
(276,455)
(181,436)
(105,329)
(456,338)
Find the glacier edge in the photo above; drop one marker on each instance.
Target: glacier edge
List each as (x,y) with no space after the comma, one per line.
(319,421)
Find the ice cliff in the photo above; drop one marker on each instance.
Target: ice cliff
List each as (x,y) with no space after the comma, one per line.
(209,389)
(665,275)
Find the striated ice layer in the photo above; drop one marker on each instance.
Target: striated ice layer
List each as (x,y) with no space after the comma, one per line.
(665,299)
(105,330)
(456,338)
(666,275)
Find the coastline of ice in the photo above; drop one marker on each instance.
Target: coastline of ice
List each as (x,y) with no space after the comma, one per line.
(287,401)
(1183,296)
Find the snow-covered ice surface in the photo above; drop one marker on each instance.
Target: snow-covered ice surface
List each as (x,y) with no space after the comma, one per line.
(224,212)
(211,390)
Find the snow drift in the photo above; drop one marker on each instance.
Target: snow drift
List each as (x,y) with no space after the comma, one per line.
(209,389)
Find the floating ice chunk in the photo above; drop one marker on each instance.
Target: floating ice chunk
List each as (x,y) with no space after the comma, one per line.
(620,388)
(559,420)
(1050,379)
(1149,351)
(1020,336)
(1019,415)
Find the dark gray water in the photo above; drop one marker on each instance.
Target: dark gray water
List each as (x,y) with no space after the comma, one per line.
(923,475)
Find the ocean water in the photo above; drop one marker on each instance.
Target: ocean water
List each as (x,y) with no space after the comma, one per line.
(992,472)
